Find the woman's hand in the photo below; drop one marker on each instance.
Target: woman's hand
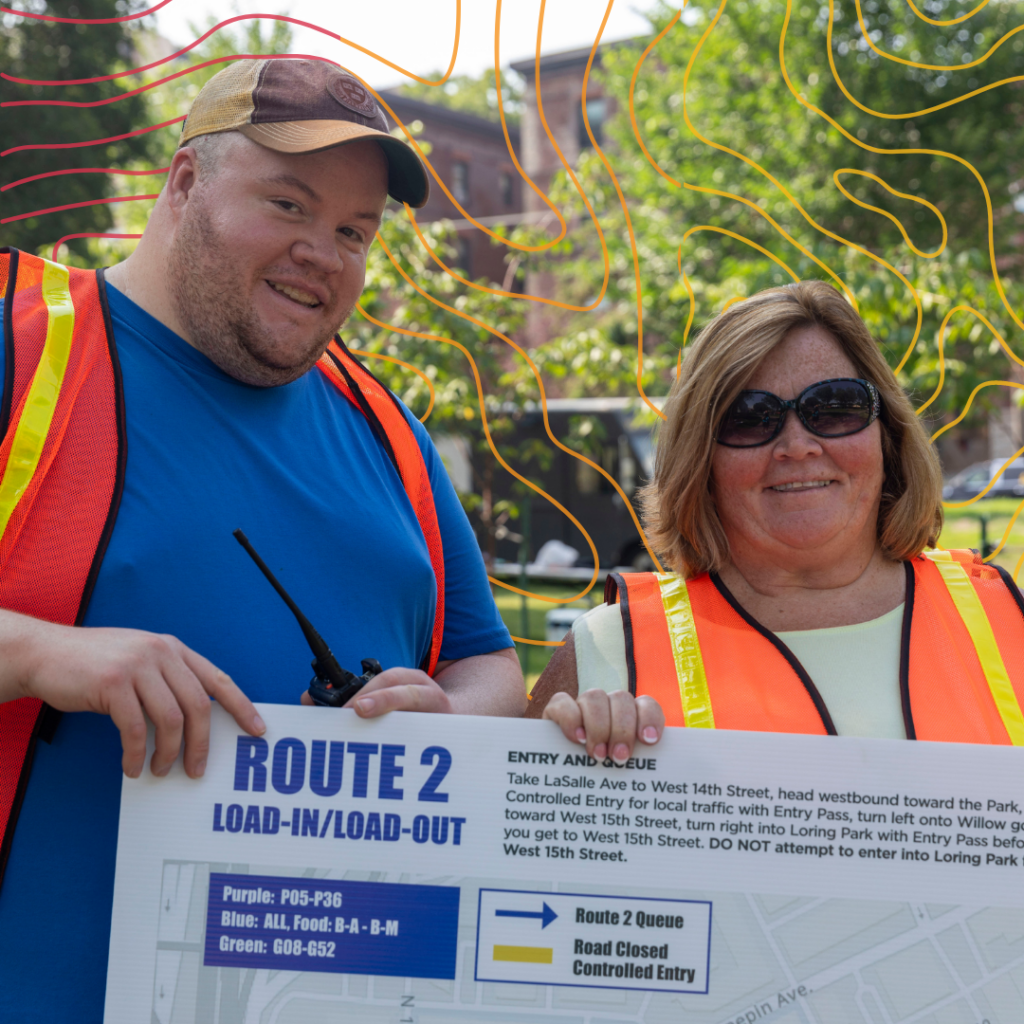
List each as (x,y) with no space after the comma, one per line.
(608,723)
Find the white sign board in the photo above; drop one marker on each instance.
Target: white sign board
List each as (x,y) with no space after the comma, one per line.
(471,870)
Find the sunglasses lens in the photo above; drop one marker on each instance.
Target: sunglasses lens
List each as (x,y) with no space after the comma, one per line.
(752,420)
(836,408)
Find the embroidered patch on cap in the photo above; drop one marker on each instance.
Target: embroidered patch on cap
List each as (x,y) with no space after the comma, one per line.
(349,93)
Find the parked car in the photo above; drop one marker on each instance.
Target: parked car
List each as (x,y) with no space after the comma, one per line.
(970,482)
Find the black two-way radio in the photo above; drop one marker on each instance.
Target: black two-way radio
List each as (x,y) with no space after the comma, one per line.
(332,685)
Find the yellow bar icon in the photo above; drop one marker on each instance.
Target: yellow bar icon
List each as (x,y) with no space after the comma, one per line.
(524,954)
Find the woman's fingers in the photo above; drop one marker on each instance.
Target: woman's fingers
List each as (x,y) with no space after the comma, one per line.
(609,724)
(597,721)
(565,712)
(650,720)
(623,726)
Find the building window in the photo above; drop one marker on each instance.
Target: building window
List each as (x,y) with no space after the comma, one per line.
(596,112)
(505,186)
(460,181)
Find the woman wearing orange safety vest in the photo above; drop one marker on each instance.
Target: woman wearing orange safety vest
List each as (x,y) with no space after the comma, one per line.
(797,502)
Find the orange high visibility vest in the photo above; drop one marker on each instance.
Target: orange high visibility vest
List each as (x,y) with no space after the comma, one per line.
(62,463)
(709,663)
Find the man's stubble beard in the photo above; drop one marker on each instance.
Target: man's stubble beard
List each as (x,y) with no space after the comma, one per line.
(206,292)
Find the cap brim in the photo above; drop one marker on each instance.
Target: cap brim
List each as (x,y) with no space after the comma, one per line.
(407,180)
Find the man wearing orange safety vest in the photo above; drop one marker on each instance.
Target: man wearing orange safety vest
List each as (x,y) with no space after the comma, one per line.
(147,412)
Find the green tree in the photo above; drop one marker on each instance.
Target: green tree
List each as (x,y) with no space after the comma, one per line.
(391,299)
(171,100)
(737,98)
(43,50)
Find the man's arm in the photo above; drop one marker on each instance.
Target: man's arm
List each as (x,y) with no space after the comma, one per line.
(504,694)
(129,675)
(484,684)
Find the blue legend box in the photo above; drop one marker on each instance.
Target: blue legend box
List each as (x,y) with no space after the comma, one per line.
(319,924)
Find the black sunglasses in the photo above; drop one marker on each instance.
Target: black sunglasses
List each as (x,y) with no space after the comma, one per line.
(831,408)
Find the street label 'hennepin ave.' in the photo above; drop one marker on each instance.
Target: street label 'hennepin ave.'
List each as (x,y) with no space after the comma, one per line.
(462,869)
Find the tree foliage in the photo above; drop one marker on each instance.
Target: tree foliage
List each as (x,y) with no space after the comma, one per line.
(457,410)
(166,102)
(51,51)
(737,99)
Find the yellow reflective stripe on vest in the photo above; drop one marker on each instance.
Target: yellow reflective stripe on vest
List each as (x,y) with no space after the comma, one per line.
(969,605)
(37,413)
(682,634)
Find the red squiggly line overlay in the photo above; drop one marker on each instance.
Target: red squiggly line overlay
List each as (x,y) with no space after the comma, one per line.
(227,59)
(82,170)
(92,142)
(166,60)
(269,17)
(152,85)
(85,234)
(84,21)
(75,206)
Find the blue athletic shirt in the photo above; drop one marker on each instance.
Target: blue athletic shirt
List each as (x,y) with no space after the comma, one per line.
(299,469)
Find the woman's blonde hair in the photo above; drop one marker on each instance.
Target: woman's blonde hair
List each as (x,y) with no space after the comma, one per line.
(678,507)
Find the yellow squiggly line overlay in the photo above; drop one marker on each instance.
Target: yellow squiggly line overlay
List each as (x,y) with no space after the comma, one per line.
(401,362)
(409,74)
(839,185)
(752,205)
(551,242)
(547,428)
(951,21)
(990,225)
(731,196)
(940,67)
(518,349)
(885,213)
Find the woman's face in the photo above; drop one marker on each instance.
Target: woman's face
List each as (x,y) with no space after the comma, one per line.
(800,494)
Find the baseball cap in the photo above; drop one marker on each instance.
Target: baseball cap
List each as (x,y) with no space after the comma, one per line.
(301,106)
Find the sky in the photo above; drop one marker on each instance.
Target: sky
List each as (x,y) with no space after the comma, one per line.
(418,35)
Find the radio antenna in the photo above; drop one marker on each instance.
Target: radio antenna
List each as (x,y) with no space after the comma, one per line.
(340,684)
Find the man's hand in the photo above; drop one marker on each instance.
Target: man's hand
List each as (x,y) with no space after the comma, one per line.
(608,723)
(485,684)
(397,689)
(129,675)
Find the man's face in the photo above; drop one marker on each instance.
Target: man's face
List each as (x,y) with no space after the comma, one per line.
(269,254)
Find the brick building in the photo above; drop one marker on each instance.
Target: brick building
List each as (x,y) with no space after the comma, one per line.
(471,157)
(561,76)
(561,82)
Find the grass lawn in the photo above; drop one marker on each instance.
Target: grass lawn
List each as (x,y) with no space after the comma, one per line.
(510,605)
(963,530)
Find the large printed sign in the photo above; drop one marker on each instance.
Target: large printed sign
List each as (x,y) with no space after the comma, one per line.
(474,870)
